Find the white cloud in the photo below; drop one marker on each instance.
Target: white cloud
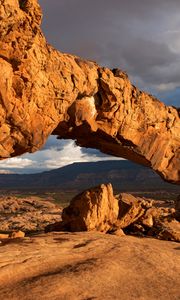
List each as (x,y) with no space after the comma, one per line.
(70,153)
(53,158)
(166,86)
(16,162)
(59,154)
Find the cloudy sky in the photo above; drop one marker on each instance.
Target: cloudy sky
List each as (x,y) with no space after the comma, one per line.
(141,37)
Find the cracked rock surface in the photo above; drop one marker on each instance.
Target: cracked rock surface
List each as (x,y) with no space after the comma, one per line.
(88,266)
(43,92)
(29,215)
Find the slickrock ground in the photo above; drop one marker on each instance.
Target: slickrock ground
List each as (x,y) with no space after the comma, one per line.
(43,92)
(27,214)
(89,265)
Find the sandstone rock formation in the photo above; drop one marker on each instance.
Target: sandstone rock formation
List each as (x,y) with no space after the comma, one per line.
(131,209)
(30,214)
(4,236)
(166,229)
(97,209)
(141,217)
(177,207)
(88,265)
(43,92)
(12,235)
(17,234)
(94,209)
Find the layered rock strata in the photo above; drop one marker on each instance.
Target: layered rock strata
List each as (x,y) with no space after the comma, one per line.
(43,92)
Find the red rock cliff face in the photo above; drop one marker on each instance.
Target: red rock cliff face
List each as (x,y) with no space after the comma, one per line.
(43,92)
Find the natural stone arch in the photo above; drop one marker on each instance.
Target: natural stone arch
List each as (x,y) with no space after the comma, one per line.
(43,92)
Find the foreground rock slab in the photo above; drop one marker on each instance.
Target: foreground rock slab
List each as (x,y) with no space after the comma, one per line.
(43,92)
(80,266)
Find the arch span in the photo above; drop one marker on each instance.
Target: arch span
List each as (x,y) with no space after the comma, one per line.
(43,92)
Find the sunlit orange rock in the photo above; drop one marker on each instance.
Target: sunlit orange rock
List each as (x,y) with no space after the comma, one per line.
(43,92)
(95,209)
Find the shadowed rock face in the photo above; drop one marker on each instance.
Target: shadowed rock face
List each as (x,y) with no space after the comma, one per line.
(43,92)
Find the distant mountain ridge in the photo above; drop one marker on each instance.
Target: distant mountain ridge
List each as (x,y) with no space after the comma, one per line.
(124,175)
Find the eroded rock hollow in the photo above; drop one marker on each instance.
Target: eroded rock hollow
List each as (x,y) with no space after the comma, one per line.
(43,92)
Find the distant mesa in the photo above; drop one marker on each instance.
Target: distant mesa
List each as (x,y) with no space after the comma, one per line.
(123,174)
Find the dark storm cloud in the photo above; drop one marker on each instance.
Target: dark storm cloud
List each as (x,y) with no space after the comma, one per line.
(58,145)
(93,152)
(138,36)
(172,96)
(54,143)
